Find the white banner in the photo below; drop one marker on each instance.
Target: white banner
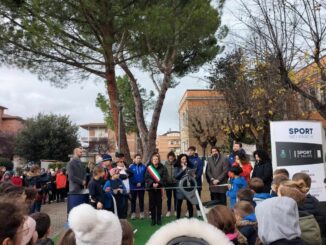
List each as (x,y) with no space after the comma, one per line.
(298,146)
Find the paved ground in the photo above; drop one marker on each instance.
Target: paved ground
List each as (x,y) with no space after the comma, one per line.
(58,215)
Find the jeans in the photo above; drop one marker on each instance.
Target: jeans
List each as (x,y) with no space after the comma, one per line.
(140,194)
(189,206)
(169,193)
(60,194)
(36,206)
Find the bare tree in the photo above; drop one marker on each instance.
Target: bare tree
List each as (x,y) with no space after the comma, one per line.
(254,96)
(294,31)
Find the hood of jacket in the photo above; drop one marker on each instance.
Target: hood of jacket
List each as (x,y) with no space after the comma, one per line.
(262,196)
(278,218)
(251,217)
(310,231)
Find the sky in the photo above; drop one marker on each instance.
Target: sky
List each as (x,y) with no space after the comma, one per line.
(25,95)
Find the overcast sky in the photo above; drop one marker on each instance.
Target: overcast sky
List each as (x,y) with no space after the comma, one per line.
(24,95)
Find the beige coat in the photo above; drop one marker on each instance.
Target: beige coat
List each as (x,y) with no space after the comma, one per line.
(218,169)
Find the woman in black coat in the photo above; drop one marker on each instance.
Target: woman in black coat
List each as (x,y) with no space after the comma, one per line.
(181,169)
(155,179)
(263,169)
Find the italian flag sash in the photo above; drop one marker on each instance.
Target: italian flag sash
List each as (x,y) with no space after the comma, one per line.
(153,173)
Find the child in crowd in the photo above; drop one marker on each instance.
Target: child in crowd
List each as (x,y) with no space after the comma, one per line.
(93,226)
(257,186)
(43,224)
(115,187)
(309,227)
(311,204)
(278,224)
(127,233)
(246,221)
(10,228)
(223,218)
(96,189)
(61,183)
(281,171)
(237,182)
(68,238)
(241,160)
(277,180)
(245,194)
(30,198)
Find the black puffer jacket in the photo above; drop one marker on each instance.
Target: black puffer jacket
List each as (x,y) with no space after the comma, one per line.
(312,206)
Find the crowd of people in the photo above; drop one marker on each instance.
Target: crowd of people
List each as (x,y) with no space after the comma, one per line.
(42,186)
(252,204)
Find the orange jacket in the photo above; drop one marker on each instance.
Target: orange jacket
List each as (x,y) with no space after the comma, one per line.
(61,181)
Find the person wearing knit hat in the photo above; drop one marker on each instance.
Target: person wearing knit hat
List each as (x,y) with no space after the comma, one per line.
(278,221)
(188,231)
(93,226)
(107,165)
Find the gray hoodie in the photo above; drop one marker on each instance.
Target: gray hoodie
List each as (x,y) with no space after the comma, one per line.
(278,218)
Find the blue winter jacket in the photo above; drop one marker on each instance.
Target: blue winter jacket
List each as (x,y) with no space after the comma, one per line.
(248,228)
(113,184)
(138,176)
(198,164)
(236,184)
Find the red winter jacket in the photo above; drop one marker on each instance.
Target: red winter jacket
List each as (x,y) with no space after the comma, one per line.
(246,170)
(61,181)
(17,181)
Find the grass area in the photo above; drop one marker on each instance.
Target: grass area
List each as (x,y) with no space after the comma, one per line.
(145,230)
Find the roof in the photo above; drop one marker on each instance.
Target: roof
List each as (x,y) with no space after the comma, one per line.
(311,64)
(200,94)
(2,107)
(10,117)
(171,132)
(93,125)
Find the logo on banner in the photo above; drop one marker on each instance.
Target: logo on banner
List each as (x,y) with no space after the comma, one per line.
(292,153)
(301,133)
(283,154)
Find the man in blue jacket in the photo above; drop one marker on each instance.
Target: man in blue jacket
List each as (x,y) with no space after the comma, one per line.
(137,185)
(197,164)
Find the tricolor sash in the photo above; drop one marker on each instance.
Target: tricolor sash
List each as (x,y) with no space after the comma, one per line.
(153,173)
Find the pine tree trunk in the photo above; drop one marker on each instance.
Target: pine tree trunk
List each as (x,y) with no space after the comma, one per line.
(112,90)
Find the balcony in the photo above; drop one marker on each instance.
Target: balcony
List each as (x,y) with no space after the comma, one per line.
(94,139)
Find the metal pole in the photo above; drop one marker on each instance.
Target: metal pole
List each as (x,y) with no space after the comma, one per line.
(119,128)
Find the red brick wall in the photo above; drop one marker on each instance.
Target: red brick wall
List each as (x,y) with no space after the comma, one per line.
(11,125)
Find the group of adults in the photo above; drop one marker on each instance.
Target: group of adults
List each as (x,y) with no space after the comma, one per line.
(218,167)
(156,176)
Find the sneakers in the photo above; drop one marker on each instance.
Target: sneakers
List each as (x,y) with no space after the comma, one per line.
(133,216)
(199,213)
(142,216)
(168,214)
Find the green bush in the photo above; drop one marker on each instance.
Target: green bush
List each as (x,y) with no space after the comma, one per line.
(5,162)
(58,165)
